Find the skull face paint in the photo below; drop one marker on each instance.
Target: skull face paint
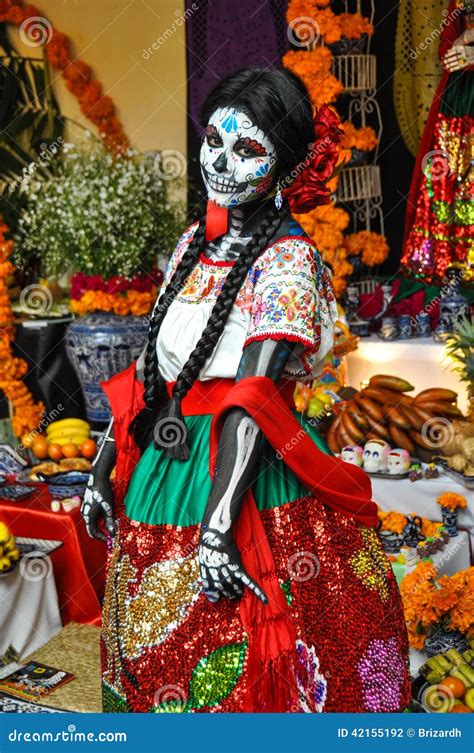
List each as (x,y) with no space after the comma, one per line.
(237,159)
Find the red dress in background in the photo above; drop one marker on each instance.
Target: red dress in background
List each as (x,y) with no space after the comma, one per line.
(439,215)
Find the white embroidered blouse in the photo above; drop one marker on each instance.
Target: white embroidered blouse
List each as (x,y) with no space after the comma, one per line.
(287,294)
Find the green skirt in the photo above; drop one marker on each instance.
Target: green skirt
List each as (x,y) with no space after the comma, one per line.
(164,491)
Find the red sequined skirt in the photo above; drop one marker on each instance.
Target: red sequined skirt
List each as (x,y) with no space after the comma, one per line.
(166,648)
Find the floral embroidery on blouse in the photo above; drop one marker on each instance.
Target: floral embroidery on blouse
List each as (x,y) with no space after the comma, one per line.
(288,294)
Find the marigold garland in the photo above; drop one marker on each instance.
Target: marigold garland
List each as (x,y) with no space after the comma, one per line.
(364,138)
(326,224)
(26,413)
(97,107)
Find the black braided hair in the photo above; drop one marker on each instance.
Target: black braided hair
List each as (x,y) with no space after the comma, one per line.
(155,393)
(170,431)
(279,104)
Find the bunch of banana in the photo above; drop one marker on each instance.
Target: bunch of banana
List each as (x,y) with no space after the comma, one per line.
(68,430)
(9,553)
(383,410)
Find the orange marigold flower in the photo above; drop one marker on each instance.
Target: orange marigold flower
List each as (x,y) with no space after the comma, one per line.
(452,501)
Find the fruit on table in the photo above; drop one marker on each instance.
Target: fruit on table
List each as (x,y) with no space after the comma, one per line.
(40,447)
(67,430)
(469,699)
(88,448)
(55,452)
(455,686)
(9,553)
(460,708)
(384,410)
(70,450)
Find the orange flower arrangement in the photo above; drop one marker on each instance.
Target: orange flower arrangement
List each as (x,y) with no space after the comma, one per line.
(314,69)
(448,601)
(452,501)
(358,138)
(131,302)
(97,107)
(373,247)
(353,25)
(392,521)
(26,413)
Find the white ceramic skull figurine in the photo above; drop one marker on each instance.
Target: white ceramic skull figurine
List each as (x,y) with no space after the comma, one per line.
(375,455)
(398,461)
(352,454)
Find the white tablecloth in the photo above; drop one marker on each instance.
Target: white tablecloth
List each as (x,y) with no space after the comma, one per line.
(420,360)
(29,612)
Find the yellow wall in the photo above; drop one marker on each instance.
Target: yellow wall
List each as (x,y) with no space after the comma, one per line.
(112,36)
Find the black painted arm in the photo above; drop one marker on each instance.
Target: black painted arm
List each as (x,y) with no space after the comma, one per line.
(98,503)
(238,457)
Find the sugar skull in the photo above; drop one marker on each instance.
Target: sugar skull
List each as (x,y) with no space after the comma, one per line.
(237,159)
(398,461)
(352,454)
(375,455)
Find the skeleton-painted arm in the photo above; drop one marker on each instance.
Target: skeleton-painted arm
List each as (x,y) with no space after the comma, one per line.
(98,500)
(238,457)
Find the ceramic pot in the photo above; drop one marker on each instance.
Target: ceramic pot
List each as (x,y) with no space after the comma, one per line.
(439,640)
(100,345)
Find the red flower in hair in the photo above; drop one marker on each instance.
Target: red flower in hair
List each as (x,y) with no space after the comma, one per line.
(309,188)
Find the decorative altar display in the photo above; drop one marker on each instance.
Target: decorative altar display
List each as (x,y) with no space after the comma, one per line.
(236,411)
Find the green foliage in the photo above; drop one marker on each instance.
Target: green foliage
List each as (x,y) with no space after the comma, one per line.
(98,214)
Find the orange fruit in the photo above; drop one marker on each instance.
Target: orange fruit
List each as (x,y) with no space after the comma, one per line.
(70,450)
(88,448)
(40,447)
(460,708)
(454,685)
(55,451)
(27,440)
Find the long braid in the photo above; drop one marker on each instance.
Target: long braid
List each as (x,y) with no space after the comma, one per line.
(170,431)
(155,392)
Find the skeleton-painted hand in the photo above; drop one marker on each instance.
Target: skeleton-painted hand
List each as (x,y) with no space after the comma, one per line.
(98,501)
(97,505)
(222,572)
(459,56)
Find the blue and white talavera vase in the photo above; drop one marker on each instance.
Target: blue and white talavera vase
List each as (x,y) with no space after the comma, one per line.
(100,345)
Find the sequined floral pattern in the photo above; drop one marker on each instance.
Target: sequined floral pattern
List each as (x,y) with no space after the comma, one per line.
(382,671)
(370,563)
(311,683)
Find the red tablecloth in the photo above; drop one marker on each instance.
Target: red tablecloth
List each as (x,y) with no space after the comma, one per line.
(79,565)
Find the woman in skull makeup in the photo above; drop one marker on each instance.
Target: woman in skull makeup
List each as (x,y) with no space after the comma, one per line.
(245,573)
